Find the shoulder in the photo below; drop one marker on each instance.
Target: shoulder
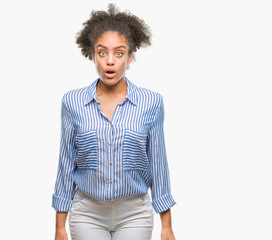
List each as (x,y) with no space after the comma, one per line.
(74,96)
(149,97)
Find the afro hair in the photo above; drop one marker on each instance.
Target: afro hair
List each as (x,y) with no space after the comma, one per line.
(135,30)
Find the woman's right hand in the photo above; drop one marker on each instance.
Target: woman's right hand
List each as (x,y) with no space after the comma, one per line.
(61,234)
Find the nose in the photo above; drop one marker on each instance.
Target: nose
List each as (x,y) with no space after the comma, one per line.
(110,59)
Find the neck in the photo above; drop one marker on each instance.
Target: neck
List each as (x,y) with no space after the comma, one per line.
(119,88)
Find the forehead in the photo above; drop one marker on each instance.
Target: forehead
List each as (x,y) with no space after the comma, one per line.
(111,39)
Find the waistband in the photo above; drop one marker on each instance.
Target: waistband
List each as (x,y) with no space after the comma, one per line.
(85,194)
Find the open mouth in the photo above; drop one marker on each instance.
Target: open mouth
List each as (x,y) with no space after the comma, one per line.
(110,73)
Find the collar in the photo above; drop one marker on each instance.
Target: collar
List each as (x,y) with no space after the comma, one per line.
(131,95)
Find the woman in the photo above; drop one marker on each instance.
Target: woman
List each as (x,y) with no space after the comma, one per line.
(112,146)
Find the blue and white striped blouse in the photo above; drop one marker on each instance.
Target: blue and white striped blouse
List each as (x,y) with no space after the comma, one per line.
(112,159)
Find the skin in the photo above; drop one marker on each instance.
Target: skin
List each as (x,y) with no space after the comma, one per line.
(110,92)
(111,51)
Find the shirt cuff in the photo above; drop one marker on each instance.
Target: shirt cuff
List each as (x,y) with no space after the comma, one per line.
(61,204)
(163,203)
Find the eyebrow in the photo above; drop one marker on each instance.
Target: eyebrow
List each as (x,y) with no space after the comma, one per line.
(99,45)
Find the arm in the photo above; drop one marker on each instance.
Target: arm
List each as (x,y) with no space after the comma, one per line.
(160,187)
(60,226)
(64,185)
(167,232)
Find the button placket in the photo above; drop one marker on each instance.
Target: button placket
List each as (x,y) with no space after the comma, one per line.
(115,119)
(110,145)
(110,180)
(118,112)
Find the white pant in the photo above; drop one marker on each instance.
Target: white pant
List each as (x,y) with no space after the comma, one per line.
(128,218)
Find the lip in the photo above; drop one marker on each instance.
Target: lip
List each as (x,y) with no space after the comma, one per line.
(110,75)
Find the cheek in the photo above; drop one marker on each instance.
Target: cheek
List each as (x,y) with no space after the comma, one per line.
(98,65)
(122,67)
(124,63)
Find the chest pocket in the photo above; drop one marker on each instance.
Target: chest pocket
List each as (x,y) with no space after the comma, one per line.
(134,151)
(87,150)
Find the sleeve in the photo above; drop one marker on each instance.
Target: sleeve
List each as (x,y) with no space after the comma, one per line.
(162,198)
(64,185)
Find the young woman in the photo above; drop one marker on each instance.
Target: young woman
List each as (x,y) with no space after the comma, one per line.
(112,147)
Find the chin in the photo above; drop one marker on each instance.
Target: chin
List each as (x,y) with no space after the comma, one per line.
(110,81)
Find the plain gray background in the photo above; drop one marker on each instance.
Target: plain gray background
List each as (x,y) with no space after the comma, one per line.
(211,61)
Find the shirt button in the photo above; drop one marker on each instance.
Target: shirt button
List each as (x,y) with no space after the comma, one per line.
(110,182)
(110,124)
(110,163)
(110,144)
(118,110)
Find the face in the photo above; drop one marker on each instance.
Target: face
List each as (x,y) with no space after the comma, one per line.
(111,57)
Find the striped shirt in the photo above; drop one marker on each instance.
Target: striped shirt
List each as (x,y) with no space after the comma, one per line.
(112,159)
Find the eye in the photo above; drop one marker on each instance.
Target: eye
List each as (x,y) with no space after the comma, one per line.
(121,54)
(101,52)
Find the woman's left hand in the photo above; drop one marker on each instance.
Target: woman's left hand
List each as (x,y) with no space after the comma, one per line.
(167,234)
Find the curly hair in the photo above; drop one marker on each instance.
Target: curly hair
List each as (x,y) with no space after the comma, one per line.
(134,29)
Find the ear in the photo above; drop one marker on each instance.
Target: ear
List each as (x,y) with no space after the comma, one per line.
(93,58)
(130,58)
